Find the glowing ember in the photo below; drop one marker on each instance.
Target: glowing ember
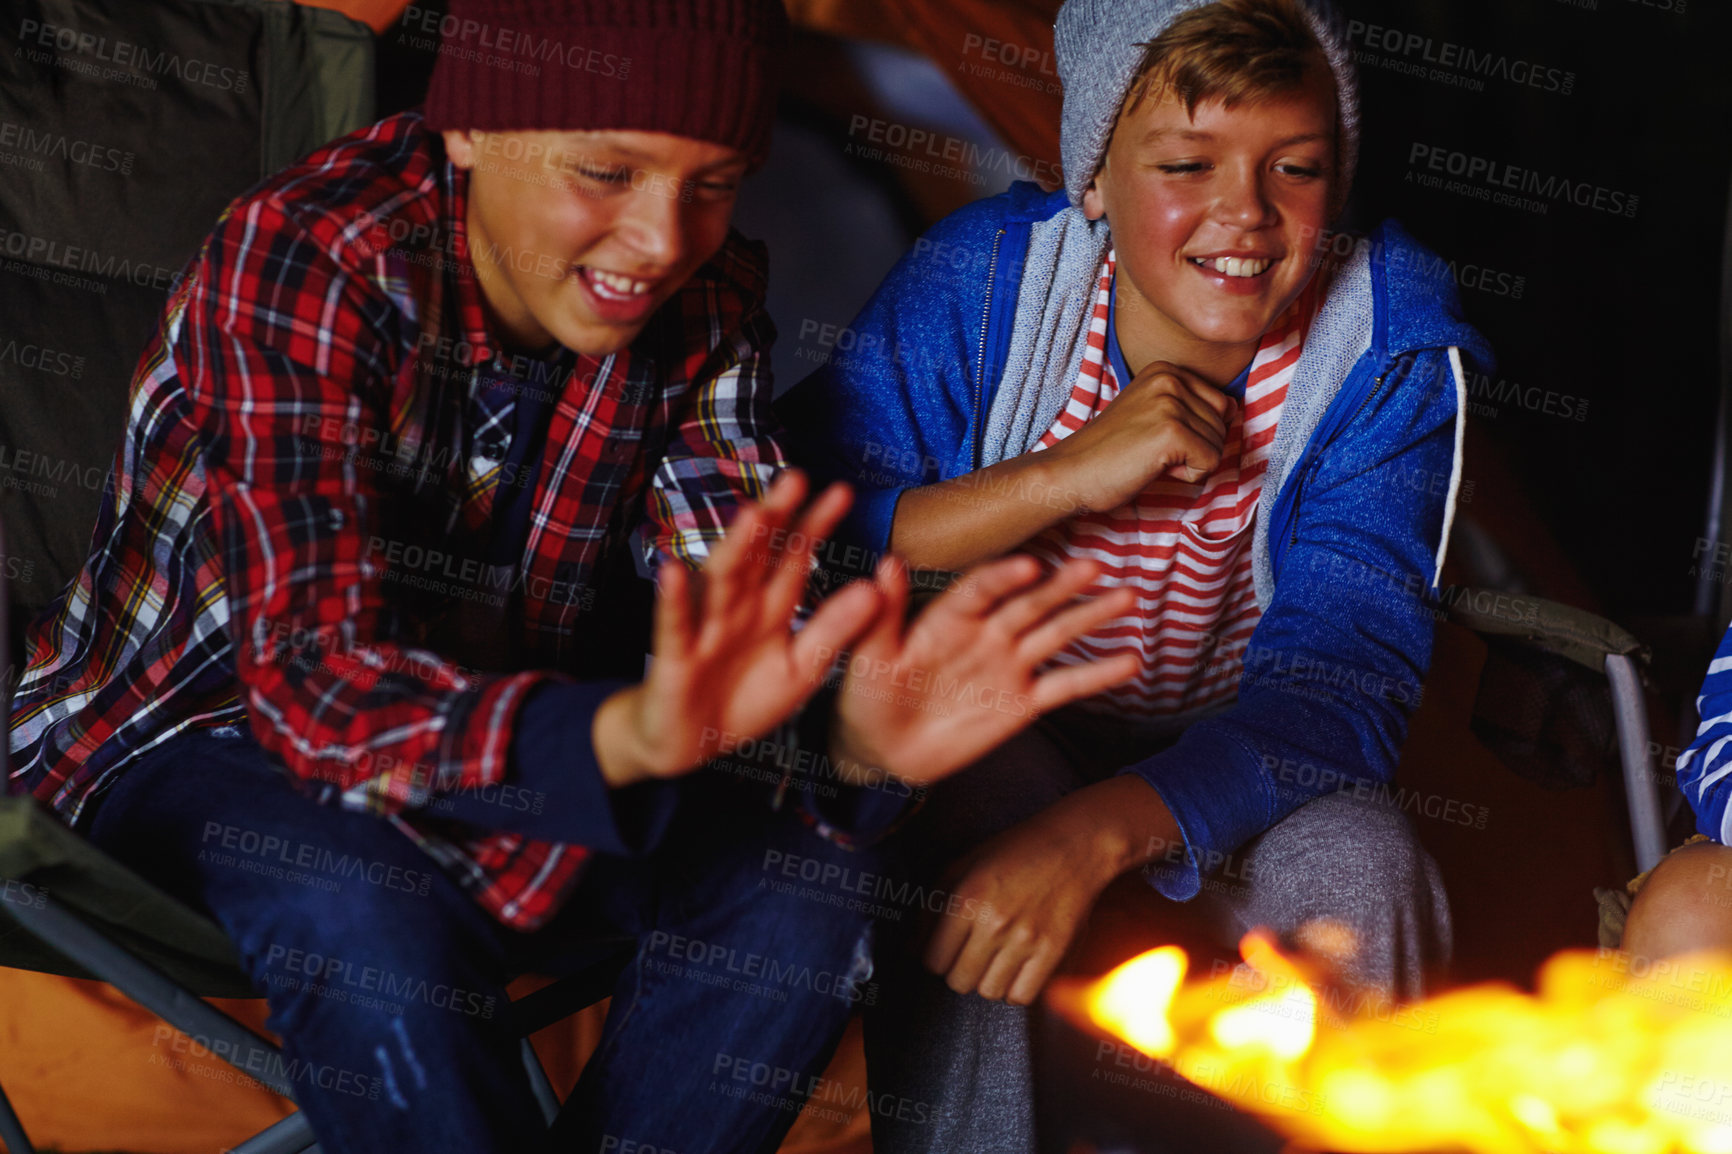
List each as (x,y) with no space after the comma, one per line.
(1600,1061)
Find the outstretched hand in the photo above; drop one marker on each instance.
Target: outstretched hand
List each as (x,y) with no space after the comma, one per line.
(923,699)
(726,662)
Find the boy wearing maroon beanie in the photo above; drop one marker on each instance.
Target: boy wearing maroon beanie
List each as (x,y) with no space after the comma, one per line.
(344,669)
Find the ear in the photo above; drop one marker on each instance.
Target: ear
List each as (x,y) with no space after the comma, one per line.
(460,147)
(1094,206)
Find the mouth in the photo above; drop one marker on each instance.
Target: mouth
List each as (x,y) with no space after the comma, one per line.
(612,286)
(1245,268)
(617,299)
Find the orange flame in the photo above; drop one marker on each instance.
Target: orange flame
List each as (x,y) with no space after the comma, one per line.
(1608,1057)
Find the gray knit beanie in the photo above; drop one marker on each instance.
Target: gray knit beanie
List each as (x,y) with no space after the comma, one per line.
(1098,44)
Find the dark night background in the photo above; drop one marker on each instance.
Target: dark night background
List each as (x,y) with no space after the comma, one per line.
(1622,312)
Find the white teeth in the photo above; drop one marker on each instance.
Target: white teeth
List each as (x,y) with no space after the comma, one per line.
(1236,266)
(616,287)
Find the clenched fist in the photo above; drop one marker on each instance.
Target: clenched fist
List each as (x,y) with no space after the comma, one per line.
(1168,422)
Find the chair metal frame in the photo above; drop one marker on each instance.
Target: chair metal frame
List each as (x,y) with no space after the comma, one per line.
(253,1055)
(1594,643)
(1635,752)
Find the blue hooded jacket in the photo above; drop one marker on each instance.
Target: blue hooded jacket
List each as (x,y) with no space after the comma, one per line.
(1351,525)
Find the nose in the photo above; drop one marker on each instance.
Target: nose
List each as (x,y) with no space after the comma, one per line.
(1244,201)
(652,224)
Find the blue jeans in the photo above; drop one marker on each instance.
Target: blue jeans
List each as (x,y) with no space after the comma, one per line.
(386,982)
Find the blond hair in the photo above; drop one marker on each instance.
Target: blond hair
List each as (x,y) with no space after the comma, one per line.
(1236,51)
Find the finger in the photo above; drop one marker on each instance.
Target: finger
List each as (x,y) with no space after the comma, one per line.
(1033,976)
(1193,458)
(783,496)
(981,588)
(826,510)
(881,642)
(1189,382)
(754,532)
(1218,401)
(792,567)
(1151,373)
(1193,474)
(723,579)
(1059,630)
(1002,970)
(1198,414)
(946,942)
(883,638)
(972,963)
(893,582)
(839,621)
(1024,610)
(672,632)
(1068,683)
(1201,429)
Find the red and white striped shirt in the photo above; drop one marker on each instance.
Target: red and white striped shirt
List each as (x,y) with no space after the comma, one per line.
(1184,548)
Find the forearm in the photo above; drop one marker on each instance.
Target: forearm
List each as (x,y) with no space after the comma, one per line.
(981,515)
(1122,822)
(1106,829)
(335,689)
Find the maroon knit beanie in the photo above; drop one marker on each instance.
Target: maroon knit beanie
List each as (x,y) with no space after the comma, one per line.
(706,69)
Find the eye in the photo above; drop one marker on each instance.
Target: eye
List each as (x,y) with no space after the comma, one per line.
(1182,167)
(1304,171)
(604,175)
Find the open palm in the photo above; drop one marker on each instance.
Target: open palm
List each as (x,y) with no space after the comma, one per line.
(726,659)
(924,699)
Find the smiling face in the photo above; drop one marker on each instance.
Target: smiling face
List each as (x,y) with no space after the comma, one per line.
(578,237)
(1217,220)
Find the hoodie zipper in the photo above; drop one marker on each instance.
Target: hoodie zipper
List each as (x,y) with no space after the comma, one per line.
(1311,465)
(985,324)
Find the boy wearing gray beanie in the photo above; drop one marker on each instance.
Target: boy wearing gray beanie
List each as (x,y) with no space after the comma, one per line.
(1158,369)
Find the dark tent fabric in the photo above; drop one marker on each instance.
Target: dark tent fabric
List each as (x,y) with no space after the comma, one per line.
(125,128)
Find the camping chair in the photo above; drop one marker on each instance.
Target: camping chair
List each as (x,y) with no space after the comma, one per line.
(80,913)
(94,244)
(1548,720)
(77,912)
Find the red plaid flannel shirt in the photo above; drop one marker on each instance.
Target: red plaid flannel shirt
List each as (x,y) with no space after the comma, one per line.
(300,412)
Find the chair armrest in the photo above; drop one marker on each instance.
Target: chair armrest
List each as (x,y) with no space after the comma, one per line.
(1583,637)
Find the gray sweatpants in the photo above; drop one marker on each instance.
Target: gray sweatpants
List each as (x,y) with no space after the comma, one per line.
(957,1067)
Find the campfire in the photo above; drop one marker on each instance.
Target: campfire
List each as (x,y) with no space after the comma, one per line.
(1609,1056)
